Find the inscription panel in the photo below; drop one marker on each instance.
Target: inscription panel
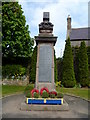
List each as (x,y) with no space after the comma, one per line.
(45,63)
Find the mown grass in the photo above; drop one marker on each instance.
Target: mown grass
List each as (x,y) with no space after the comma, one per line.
(82,92)
(11,89)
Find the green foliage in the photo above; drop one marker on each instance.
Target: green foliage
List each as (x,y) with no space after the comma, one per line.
(58,83)
(59,95)
(83,72)
(68,76)
(45,95)
(78,85)
(88,53)
(28,88)
(33,65)
(36,95)
(28,94)
(55,68)
(75,51)
(52,96)
(12,89)
(13,70)
(16,40)
(76,62)
(59,64)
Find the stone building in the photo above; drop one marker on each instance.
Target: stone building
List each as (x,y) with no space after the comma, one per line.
(77,34)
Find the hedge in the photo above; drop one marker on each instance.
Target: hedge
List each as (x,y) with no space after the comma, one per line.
(13,71)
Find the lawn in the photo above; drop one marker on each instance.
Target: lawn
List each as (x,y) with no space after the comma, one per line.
(82,92)
(11,89)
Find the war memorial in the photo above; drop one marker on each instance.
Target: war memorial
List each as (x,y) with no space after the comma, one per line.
(45,54)
(45,42)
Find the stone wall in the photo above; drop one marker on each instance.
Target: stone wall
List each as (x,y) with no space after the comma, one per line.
(77,43)
(15,82)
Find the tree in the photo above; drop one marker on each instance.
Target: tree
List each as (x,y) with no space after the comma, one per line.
(75,51)
(33,65)
(16,41)
(68,76)
(59,68)
(83,72)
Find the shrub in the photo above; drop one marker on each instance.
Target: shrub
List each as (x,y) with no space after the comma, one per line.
(13,70)
(33,65)
(83,71)
(52,95)
(78,85)
(58,83)
(36,95)
(45,95)
(68,76)
(28,94)
(59,95)
(28,89)
(69,84)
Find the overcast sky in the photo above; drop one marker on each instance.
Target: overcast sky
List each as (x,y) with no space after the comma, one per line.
(59,11)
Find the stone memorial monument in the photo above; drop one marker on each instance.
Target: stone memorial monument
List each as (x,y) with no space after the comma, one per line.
(45,70)
(45,42)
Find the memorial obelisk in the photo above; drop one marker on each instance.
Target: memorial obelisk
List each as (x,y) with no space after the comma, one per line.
(45,42)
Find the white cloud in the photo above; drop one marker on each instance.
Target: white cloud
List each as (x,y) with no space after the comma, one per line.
(59,11)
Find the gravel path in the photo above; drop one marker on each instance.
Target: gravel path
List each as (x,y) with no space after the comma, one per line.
(11,109)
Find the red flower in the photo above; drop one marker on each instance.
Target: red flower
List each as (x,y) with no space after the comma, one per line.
(34,90)
(53,92)
(42,89)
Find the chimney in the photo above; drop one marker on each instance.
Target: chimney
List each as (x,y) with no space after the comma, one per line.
(68,26)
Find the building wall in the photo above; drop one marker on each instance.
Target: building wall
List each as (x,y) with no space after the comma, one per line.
(77,43)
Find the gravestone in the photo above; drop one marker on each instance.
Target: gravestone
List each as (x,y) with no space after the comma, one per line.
(45,42)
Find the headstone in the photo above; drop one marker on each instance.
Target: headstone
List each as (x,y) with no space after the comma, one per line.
(45,54)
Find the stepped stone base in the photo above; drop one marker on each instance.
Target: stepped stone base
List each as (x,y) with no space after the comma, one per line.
(36,107)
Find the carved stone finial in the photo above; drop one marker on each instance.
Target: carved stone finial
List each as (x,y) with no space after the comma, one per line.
(45,16)
(45,26)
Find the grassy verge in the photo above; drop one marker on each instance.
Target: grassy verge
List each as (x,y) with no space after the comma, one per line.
(11,89)
(82,92)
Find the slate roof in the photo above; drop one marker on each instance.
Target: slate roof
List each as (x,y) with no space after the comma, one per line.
(80,33)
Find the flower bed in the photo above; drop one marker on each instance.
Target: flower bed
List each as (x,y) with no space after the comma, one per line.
(45,97)
(44,93)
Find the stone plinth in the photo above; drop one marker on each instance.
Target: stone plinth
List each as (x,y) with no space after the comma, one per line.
(32,107)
